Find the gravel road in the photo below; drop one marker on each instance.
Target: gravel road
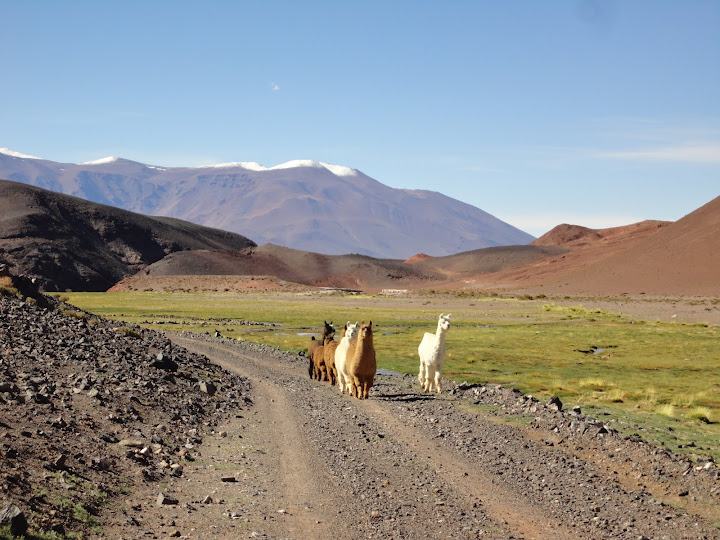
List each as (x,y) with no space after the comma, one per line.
(475,462)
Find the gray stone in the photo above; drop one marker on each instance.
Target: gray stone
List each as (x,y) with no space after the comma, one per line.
(555,404)
(163,499)
(208,388)
(15,517)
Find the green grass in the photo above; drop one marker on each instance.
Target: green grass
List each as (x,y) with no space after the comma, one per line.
(637,370)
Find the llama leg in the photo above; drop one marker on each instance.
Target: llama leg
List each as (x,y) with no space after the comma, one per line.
(421,378)
(368,386)
(311,369)
(437,382)
(427,381)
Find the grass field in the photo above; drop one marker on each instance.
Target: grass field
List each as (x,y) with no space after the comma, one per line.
(659,380)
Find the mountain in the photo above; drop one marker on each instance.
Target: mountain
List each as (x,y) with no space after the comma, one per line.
(71,243)
(305,205)
(657,258)
(678,258)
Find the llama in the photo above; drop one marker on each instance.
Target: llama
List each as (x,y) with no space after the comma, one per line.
(330,347)
(361,365)
(319,368)
(314,344)
(432,355)
(344,349)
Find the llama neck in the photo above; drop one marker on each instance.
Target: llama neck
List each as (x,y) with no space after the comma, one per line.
(364,343)
(440,335)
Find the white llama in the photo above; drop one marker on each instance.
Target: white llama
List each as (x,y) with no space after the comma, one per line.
(432,355)
(341,354)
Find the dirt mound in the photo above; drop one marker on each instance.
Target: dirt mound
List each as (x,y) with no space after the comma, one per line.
(69,243)
(565,234)
(576,236)
(416,258)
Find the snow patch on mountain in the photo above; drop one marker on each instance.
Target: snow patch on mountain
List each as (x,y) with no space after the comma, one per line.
(13,153)
(249,165)
(337,170)
(101,161)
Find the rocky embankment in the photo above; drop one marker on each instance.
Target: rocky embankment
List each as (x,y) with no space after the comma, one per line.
(90,409)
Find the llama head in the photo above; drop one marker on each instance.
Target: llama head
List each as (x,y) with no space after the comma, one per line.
(352,331)
(366,330)
(329,329)
(444,322)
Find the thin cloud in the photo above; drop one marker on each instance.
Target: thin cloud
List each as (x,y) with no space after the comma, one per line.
(274,87)
(679,154)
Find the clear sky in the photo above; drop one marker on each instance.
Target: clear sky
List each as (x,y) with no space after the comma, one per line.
(594,112)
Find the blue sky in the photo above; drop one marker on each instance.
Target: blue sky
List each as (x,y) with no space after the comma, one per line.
(595,112)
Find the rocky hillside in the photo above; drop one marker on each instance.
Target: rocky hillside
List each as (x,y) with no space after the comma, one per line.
(71,243)
(91,409)
(304,205)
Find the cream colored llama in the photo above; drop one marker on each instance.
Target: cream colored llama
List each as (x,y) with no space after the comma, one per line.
(432,355)
(346,345)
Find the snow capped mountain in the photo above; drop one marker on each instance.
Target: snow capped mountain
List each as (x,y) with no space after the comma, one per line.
(302,204)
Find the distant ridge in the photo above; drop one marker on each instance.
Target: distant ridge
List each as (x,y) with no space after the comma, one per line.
(71,243)
(341,271)
(302,204)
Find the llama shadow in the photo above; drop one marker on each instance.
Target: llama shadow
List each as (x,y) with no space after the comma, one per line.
(404,397)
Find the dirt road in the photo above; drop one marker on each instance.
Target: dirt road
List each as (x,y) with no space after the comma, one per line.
(306,462)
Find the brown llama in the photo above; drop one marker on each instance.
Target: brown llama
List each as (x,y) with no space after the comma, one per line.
(314,344)
(319,368)
(361,363)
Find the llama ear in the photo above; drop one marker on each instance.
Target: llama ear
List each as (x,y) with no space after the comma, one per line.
(442,316)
